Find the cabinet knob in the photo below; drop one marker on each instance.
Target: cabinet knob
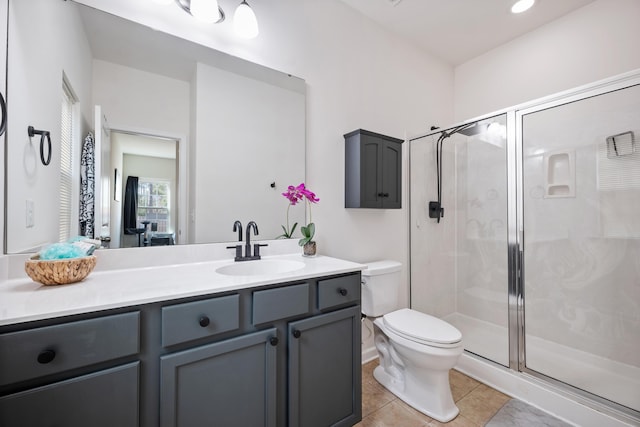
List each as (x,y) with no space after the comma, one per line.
(46,356)
(296,333)
(204,321)
(383,194)
(343,291)
(273,341)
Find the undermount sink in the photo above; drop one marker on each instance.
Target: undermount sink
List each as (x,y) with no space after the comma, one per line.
(256,268)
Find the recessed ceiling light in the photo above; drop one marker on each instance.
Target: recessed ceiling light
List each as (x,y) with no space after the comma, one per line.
(522,5)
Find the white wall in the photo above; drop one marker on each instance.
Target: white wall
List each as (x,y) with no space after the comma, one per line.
(138,100)
(238,122)
(57,45)
(358,76)
(595,42)
(3,92)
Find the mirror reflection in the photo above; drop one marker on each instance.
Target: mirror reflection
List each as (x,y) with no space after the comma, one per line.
(210,138)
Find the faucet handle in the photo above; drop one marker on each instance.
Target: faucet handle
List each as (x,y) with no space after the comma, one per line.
(238,249)
(256,249)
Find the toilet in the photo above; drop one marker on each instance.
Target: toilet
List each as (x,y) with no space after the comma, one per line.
(416,351)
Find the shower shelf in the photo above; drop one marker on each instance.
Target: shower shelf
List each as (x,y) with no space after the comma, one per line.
(559,174)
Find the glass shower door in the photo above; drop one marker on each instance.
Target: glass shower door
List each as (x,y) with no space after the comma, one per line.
(459,264)
(581,221)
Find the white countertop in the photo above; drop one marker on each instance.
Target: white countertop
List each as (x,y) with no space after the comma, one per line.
(22,300)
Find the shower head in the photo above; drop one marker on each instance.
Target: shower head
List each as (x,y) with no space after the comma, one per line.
(473,129)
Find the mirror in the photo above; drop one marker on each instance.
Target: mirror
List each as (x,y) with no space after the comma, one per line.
(234,131)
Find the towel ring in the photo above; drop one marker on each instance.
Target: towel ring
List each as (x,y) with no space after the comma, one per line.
(3,107)
(43,134)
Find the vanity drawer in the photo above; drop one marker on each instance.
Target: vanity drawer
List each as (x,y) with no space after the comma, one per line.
(280,303)
(105,398)
(338,291)
(199,319)
(43,351)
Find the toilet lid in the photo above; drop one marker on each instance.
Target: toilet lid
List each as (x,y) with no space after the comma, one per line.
(421,327)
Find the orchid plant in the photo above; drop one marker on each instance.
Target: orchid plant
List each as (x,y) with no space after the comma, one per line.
(295,195)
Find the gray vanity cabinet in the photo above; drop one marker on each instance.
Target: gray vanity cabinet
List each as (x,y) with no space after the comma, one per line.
(228,383)
(277,355)
(324,370)
(373,170)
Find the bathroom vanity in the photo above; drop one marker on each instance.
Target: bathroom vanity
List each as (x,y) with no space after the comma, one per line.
(183,345)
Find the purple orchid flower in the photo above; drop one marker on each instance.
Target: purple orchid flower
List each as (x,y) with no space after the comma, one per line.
(295,195)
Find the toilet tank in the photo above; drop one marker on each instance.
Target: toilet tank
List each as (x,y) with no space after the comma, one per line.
(380,287)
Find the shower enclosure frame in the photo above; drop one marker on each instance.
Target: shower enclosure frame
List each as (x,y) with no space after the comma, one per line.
(516,302)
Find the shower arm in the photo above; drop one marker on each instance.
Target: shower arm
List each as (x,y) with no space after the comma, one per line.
(435,208)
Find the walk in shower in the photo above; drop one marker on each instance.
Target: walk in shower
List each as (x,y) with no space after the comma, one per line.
(536,257)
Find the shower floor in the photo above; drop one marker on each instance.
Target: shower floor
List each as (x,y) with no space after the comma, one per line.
(604,377)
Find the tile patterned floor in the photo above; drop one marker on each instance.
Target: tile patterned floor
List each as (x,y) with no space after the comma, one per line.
(380,408)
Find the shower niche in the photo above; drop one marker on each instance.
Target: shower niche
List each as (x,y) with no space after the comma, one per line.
(560,174)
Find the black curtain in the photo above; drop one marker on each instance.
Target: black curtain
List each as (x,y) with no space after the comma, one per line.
(130,205)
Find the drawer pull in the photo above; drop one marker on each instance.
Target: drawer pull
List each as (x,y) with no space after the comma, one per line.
(296,333)
(273,341)
(343,292)
(204,321)
(46,356)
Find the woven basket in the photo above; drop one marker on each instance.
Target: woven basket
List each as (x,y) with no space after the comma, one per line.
(59,271)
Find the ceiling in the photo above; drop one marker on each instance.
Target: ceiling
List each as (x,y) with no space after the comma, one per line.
(459,30)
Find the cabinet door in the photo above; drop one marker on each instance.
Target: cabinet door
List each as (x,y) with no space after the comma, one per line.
(324,370)
(228,383)
(391,180)
(371,176)
(104,399)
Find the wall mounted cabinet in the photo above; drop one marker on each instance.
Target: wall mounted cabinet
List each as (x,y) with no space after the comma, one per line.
(373,170)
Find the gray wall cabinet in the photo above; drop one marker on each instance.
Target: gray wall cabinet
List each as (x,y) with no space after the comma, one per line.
(373,170)
(276,355)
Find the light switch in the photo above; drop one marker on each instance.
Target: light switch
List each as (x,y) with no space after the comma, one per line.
(30,213)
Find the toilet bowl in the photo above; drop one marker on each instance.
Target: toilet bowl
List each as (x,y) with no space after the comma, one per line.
(414,368)
(416,350)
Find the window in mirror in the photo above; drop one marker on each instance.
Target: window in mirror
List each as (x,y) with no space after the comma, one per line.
(153,203)
(67,120)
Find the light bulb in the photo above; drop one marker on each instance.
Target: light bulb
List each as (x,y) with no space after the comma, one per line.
(205,10)
(522,5)
(245,22)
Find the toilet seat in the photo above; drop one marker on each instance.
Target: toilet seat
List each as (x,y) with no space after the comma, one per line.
(422,328)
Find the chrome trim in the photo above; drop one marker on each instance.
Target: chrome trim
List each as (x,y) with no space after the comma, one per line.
(512,242)
(519,205)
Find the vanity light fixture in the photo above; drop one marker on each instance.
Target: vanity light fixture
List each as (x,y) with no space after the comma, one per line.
(204,10)
(522,5)
(245,22)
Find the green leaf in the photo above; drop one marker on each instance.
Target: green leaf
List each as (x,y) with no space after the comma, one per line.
(304,241)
